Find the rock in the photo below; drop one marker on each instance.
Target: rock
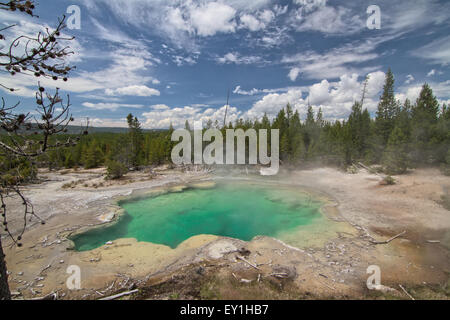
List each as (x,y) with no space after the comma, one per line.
(220,248)
(20,273)
(61,261)
(200,271)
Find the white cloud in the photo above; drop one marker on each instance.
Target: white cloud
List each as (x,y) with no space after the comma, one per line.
(434,72)
(406,16)
(411,93)
(294,73)
(213,18)
(437,51)
(181,61)
(183,22)
(162,116)
(234,57)
(272,103)
(109,106)
(110,123)
(140,91)
(250,22)
(317,16)
(409,79)
(257,22)
(334,63)
(160,107)
(335,98)
(252,92)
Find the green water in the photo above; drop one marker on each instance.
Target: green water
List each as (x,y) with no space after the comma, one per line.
(240,211)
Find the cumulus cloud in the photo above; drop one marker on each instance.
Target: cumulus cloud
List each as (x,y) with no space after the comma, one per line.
(213,18)
(440,89)
(335,98)
(162,116)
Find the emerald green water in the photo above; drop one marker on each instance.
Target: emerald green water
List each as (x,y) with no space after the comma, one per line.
(240,211)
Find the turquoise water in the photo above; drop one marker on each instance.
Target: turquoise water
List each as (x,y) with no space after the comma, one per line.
(240,211)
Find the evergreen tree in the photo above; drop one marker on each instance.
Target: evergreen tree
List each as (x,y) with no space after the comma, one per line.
(136,140)
(424,121)
(94,156)
(388,109)
(297,150)
(395,159)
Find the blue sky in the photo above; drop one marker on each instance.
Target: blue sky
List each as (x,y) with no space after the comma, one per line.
(168,61)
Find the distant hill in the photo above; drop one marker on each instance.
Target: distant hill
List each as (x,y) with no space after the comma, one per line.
(78,129)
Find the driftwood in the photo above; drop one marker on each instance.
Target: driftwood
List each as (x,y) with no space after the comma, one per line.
(246,281)
(389,240)
(248,262)
(280,275)
(50,296)
(406,292)
(433,241)
(127,293)
(370,170)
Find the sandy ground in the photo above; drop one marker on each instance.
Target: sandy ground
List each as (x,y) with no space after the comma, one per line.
(329,260)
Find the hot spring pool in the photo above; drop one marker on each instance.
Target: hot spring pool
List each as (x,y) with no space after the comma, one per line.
(237,210)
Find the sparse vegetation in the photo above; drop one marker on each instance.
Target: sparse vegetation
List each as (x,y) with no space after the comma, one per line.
(388,181)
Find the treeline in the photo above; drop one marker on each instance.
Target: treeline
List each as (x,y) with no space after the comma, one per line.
(400,136)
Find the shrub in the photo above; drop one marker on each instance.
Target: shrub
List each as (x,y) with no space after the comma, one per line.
(115,170)
(388,181)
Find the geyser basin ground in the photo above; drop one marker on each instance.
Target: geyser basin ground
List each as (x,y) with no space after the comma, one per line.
(239,210)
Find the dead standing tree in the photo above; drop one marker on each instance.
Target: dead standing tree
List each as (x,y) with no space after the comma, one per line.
(23,137)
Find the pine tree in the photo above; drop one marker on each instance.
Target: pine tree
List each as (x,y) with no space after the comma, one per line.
(297,150)
(94,156)
(395,158)
(424,121)
(136,140)
(388,109)
(310,130)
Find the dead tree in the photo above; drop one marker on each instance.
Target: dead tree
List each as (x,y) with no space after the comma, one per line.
(23,137)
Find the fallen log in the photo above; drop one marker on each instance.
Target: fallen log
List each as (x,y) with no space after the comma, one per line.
(389,240)
(406,292)
(248,262)
(50,296)
(119,295)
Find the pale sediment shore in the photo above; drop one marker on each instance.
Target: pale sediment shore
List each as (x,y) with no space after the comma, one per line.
(329,259)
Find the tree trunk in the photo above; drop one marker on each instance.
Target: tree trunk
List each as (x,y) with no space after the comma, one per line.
(4,287)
